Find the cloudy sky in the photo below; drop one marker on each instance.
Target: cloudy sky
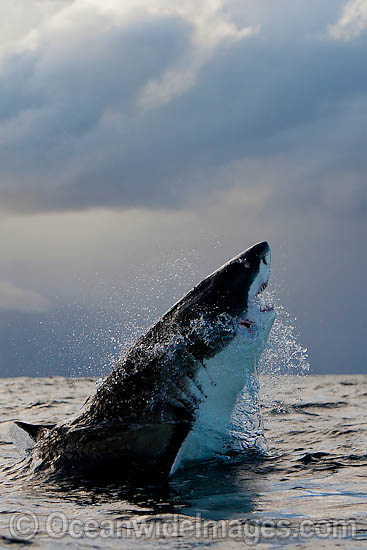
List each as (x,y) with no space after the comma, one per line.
(145,142)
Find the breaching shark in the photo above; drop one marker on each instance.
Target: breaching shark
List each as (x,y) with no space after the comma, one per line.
(169,399)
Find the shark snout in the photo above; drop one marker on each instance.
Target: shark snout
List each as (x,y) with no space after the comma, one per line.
(261,249)
(260,256)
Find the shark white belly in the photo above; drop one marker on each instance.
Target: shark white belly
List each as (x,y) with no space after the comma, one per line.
(222,380)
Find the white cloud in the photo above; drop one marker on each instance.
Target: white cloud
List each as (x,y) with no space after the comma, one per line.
(13,298)
(211,28)
(353,21)
(19,17)
(175,82)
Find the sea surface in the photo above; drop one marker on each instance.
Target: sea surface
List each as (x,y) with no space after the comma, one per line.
(308,491)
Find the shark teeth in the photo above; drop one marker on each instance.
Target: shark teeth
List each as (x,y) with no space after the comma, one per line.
(262,288)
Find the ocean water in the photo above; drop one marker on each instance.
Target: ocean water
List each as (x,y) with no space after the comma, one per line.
(308,491)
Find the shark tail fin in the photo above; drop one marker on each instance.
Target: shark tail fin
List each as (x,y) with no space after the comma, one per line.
(35,431)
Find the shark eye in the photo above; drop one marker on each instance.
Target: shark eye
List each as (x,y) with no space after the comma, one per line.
(265,261)
(247,264)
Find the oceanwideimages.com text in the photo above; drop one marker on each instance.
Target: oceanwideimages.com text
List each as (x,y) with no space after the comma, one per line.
(27,525)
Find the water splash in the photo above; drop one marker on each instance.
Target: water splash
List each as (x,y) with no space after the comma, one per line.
(101,334)
(247,427)
(284,356)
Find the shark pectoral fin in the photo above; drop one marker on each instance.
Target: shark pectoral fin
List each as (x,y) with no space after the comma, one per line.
(164,442)
(35,431)
(120,447)
(157,440)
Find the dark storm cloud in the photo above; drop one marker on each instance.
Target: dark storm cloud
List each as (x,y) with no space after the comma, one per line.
(66,87)
(75,135)
(51,105)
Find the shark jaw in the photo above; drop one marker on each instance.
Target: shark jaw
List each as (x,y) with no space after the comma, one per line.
(257,305)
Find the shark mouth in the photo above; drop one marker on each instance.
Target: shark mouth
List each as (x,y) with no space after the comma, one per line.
(263,301)
(262,305)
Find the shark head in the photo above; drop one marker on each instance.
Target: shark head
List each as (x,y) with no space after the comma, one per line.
(230,297)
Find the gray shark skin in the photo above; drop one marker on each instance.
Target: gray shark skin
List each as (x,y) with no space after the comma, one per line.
(154,403)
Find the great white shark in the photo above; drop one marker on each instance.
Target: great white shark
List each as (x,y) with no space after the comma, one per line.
(169,400)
